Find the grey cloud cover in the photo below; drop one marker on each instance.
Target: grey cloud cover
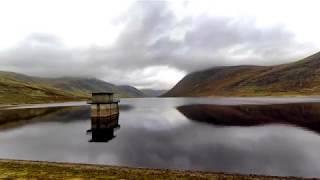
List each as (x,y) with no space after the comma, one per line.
(153,37)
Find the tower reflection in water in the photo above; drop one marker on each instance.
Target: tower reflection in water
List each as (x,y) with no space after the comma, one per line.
(104,116)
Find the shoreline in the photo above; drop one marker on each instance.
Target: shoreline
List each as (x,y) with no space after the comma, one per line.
(35,105)
(56,170)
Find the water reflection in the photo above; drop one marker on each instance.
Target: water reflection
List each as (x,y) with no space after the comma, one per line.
(155,134)
(102,135)
(102,130)
(14,118)
(305,115)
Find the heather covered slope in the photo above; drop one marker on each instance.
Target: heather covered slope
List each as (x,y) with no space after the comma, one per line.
(18,88)
(299,78)
(15,88)
(84,86)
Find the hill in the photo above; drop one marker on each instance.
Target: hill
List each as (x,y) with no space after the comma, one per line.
(132,90)
(298,78)
(84,86)
(18,88)
(152,92)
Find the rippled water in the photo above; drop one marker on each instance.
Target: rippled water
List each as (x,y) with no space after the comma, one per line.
(242,135)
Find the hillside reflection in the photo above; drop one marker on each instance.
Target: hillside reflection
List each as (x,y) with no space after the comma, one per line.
(305,115)
(14,118)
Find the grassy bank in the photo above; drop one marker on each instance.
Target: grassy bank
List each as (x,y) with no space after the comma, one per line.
(44,170)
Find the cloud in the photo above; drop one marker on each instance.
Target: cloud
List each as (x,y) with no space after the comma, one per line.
(154,40)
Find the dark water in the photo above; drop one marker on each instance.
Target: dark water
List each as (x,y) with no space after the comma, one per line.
(242,135)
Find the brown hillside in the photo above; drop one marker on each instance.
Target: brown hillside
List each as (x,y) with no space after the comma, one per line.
(299,78)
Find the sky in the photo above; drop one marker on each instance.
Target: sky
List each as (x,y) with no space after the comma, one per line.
(152,43)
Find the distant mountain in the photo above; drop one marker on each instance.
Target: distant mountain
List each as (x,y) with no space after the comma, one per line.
(299,78)
(88,85)
(19,88)
(152,92)
(132,91)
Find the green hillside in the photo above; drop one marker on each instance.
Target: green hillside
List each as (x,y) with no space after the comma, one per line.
(299,78)
(84,86)
(18,88)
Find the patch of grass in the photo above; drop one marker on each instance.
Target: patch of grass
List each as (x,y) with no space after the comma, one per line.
(13,169)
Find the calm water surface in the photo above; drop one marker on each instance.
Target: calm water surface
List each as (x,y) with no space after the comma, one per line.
(158,133)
